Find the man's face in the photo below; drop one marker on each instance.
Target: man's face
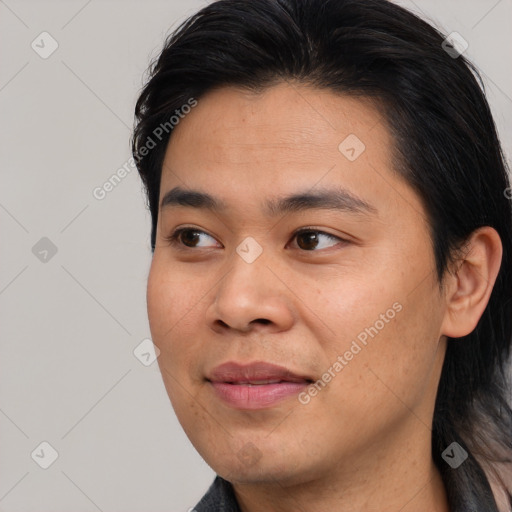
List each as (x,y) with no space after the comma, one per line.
(351,307)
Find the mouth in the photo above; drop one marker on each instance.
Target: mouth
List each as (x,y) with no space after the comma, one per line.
(256,385)
(259,382)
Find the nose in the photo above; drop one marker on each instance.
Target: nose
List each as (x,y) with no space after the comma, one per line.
(251,297)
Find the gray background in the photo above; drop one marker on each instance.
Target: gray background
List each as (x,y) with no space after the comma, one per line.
(70,321)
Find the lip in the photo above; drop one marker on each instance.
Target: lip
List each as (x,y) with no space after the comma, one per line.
(256,385)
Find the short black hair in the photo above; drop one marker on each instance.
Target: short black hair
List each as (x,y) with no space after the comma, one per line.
(446,148)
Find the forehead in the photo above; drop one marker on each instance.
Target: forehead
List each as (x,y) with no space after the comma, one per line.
(231,122)
(245,147)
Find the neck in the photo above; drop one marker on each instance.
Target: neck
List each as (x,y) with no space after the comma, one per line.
(405,479)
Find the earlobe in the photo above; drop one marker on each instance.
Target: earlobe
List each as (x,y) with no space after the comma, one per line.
(471,284)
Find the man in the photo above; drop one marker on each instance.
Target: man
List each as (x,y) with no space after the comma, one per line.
(331,280)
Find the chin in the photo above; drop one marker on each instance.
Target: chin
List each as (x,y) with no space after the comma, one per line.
(251,465)
(263,472)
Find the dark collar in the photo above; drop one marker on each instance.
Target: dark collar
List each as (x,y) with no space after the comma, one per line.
(220,497)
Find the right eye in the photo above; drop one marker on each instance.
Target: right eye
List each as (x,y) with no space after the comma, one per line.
(184,238)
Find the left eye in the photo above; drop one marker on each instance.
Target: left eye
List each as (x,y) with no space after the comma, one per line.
(311,237)
(307,239)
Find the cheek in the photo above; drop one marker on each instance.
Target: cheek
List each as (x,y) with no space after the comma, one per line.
(386,328)
(173,308)
(172,296)
(356,307)
(398,357)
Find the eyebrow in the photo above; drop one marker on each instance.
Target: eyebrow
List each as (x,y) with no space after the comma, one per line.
(338,199)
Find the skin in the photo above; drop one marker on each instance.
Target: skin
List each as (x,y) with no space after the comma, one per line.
(364,441)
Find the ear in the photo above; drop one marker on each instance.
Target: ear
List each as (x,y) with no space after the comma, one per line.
(469,287)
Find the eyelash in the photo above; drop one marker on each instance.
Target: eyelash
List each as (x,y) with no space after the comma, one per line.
(173,239)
